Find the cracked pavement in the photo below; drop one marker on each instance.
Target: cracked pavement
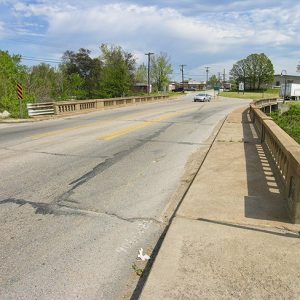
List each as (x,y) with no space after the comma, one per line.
(75,210)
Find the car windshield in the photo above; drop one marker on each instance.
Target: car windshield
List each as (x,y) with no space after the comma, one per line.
(201,95)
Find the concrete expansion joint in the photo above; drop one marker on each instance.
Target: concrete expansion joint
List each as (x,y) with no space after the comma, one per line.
(271,229)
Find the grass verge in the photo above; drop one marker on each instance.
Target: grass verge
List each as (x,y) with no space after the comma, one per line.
(272,93)
(289,121)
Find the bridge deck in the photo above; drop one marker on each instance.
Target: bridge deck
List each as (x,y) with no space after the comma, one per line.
(231,237)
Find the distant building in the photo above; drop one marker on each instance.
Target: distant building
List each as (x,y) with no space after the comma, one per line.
(226,86)
(172,86)
(192,85)
(141,88)
(279,80)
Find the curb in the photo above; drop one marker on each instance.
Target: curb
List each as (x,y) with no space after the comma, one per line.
(143,280)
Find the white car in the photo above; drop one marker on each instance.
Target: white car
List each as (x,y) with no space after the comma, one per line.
(202,98)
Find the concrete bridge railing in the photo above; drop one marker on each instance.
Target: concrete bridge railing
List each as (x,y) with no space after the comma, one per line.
(77,106)
(284,150)
(66,107)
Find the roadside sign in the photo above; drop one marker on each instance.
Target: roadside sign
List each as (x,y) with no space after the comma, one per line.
(20,91)
(241,86)
(20,97)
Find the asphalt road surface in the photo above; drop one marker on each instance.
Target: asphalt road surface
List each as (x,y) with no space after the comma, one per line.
(79,196)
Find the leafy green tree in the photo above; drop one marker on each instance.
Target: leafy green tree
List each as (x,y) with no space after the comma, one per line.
(238,72)
(70,85)
(11,73)
(88,68)
(161,70)
(213,80)
(256,71)
(41,81)
(141,74)
(118,71)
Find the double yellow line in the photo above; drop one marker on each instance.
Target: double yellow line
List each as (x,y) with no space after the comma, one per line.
(61,131)
(132,128)
(119,132)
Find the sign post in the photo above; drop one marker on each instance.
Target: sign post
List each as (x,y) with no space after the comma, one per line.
(20,97)
(241,87)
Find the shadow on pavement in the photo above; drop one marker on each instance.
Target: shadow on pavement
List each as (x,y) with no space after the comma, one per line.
(265,199)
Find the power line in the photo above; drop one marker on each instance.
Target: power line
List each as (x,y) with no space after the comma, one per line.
(49,60)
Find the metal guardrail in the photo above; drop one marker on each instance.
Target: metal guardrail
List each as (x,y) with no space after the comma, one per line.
(40,109)
(285,152)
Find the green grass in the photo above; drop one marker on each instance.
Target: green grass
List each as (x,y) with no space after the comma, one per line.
(289,121)
(293,103)
(271,93)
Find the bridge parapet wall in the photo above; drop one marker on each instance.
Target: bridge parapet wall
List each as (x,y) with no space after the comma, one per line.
(285,152)
(65,107)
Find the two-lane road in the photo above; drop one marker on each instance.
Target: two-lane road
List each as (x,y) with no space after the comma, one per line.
(80,195)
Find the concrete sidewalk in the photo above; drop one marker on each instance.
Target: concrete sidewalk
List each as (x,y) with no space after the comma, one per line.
(231,237)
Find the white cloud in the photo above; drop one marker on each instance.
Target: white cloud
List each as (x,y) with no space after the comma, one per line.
(2,30)
(227,31)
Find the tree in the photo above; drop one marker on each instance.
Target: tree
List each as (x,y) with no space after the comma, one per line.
(213,80)
(118,71)
(11,73)
(238,72)
(89,70)
(160,71)
(41,82)
(141,74)
(256,70)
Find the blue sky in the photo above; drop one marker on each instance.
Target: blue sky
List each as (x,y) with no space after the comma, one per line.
(214,33)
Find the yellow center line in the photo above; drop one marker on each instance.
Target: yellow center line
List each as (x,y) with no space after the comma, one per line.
(105,122)
(61,131)
(132,128)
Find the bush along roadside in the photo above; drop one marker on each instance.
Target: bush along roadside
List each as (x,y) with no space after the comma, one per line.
(12,105)
(289,121)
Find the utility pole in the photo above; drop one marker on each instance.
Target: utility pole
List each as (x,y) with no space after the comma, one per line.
(182,75)
(224,76)
(148,86)
(207,70)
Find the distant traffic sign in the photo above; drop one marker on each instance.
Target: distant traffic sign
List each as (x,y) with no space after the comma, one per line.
(20,91)
(241,86)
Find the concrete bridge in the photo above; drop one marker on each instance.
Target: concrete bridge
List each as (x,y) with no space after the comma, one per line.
(229,230)
(284,150)
(232,236)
